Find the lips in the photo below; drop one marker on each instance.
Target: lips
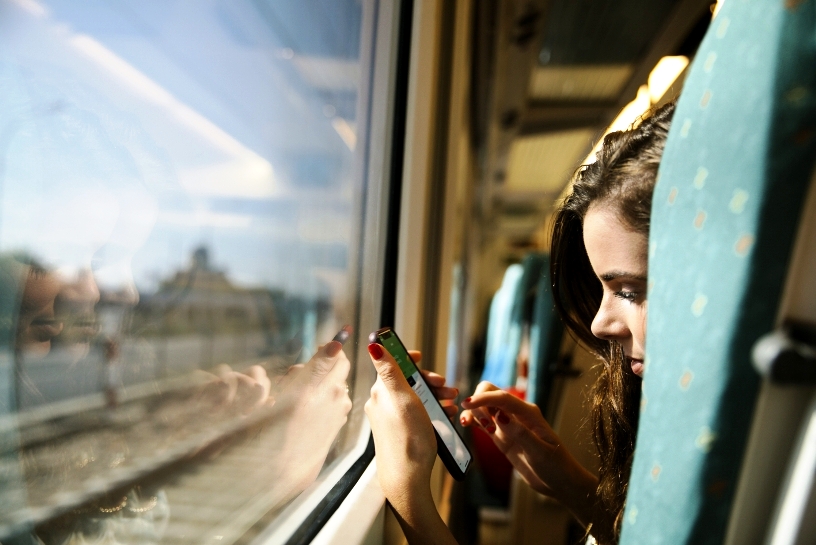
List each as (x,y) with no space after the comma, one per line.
(44,329)
(637,366)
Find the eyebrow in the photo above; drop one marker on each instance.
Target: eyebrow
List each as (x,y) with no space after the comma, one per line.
(616,275)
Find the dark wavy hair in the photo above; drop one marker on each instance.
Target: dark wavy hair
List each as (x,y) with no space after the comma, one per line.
(622,179)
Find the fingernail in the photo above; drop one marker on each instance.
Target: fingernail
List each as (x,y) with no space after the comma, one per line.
(484,422)
(463,420)
(375,350)
(503,418)
(333,348)
(491,429)
(467,399)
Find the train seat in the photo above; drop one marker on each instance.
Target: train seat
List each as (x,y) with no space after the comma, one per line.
(731,186)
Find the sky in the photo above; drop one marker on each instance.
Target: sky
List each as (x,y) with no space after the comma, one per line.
(133,132)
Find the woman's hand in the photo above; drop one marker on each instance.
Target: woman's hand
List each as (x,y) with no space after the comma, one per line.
(404,438)
(225,390)
(524,436)
(405,446)
(313,403)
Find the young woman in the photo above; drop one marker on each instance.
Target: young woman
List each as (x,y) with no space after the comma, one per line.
(599,267)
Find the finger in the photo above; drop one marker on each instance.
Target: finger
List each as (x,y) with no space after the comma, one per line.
(416,355)
(387,369)
(478,417)
(221,370)
(450,410)
(231,381)
(519,457)
(249,392)
(526,452)
(323,361)
(437,384)
(467,419)
(339,373)
(472,416)
(433,379)
(215,392)
(258,374)
(445,393)
(499,399)
(481,388)
(511,430)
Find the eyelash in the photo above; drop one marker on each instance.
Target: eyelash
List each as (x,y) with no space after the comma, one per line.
(630,296)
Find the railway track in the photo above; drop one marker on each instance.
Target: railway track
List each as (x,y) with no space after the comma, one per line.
(162,467)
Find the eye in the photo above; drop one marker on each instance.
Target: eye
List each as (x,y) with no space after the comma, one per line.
(627,295)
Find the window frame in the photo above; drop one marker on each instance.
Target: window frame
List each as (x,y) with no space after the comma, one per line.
(383,103)
(385,55)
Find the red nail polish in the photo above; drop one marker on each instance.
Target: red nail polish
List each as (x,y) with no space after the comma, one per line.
(491,429)
(333,348)
(463,420)
(375,350)
(467,399)
(503,418)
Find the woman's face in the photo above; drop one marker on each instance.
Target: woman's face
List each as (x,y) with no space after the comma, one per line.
(618,256)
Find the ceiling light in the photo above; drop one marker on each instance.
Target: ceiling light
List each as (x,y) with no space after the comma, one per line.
(664,74)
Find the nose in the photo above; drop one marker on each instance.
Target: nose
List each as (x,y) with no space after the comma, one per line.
(608,324)
(85,288)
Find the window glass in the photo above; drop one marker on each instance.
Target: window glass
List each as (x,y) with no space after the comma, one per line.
(180,216)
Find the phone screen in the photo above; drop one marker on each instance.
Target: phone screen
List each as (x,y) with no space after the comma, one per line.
(456,447)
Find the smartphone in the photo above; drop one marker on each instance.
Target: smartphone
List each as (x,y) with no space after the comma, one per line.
(449,444)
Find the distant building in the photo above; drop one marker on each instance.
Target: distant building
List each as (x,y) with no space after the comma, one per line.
(201,299)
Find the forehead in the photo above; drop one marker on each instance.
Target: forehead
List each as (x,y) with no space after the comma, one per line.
(612,245)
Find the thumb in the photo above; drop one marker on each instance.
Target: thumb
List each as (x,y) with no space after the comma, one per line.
(323,361)
(387,368)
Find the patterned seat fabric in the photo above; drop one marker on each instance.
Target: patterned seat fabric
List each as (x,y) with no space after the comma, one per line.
(725,210)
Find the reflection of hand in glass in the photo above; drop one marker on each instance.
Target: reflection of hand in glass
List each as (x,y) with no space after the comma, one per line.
(313,402)
(238,391)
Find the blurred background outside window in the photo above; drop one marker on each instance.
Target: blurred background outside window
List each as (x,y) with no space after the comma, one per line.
(181,208)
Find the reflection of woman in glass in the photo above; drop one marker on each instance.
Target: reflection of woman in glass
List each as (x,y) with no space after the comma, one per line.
(76,196)
(37,323)
(599,261)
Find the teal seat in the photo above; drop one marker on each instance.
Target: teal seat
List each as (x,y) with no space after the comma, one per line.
(508,314)
(524,300)
(546,333)
(725,211)
(503,334)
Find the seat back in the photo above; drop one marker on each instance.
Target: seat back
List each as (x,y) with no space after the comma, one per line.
(725,211)
(546,333)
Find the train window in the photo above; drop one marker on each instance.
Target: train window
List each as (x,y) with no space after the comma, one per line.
(183,197)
